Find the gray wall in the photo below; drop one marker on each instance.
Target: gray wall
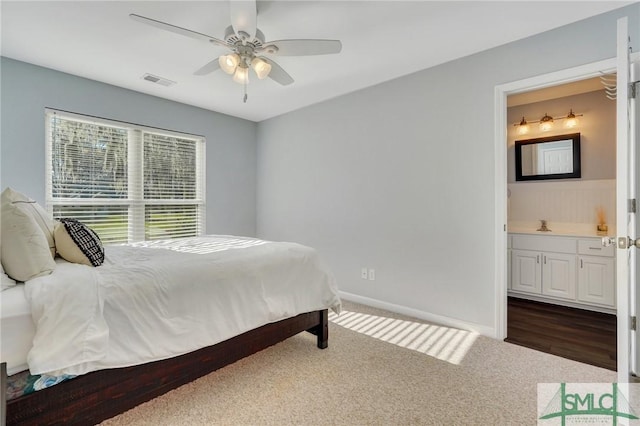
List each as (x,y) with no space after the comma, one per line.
(231,142)
(400,177)
(597,130)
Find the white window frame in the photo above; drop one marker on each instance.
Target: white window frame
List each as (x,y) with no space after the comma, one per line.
(135,174)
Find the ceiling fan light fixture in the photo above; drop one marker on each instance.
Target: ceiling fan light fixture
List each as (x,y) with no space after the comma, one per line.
(241,75)
(261,67)
(229,63)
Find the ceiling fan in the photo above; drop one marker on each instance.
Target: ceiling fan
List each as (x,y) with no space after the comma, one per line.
(248,47)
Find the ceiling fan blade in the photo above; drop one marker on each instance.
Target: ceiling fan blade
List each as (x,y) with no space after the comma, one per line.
(303,47)
(208,68)
(244,17)
(277,74)
(177,30)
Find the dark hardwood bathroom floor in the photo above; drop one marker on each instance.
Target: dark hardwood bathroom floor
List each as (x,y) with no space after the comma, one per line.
(576,334)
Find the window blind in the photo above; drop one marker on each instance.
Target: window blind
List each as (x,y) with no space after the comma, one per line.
(127,182)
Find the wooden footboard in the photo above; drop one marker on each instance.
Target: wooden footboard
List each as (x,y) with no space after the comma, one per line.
(94,397)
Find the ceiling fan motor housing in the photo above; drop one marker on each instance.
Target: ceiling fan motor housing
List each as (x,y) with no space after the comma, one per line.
(234,39)
(247,48)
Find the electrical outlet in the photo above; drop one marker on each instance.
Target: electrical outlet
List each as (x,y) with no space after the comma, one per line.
(372,274)
(364,273)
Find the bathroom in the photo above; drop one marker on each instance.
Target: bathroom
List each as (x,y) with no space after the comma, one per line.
(558,268)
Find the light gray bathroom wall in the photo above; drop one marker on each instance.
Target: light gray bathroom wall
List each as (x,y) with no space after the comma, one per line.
(400,177)
(597,128)
(26,90)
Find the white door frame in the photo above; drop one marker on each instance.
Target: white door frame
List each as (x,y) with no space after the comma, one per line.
(501,92)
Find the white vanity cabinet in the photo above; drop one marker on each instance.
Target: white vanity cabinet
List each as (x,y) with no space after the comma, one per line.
(509,262)
(526,273)
(559,275)
(545,266)
(596,273)
(559,269)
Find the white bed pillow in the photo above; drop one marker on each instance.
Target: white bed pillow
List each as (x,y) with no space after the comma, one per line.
(25,251)
(36,211)
(5,281)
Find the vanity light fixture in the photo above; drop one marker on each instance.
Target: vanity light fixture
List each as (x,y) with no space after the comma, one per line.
(546,122)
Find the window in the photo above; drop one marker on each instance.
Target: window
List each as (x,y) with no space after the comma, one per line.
(127,182)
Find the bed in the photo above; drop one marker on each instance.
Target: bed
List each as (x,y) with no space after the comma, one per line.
(213,300)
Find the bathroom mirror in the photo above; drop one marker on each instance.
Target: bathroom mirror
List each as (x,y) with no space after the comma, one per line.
(553,157)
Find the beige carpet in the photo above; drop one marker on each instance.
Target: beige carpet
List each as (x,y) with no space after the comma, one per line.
(440,376)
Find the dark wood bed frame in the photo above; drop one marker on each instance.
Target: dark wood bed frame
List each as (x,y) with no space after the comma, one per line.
(97,396)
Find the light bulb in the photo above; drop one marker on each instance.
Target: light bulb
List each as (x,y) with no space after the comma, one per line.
(242,75)
(261,67)
(546,123)
(523,127)
(228,63)
(571,121)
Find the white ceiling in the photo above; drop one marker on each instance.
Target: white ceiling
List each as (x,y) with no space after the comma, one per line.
(381,40)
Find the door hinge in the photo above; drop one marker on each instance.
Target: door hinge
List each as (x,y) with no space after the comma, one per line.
(633,323)
(632,205)
(633,89)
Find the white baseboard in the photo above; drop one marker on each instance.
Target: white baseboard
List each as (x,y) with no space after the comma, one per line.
(404,310)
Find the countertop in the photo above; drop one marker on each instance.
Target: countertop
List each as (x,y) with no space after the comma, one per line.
(560,229)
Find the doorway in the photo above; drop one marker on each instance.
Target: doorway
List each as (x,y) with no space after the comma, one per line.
(561,141)
(549,81)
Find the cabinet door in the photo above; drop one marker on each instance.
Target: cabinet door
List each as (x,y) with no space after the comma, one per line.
(559,275)
(596,280)
(509,278)
(525,271)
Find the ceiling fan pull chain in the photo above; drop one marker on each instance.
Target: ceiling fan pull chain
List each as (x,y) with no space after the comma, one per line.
(245,92)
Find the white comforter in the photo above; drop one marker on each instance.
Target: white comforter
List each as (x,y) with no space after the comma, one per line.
(156,300)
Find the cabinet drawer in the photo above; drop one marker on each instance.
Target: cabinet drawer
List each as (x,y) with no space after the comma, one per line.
(544,243)
(593,247)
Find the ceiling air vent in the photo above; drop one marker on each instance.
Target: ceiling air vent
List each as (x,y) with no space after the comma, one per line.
(158,80)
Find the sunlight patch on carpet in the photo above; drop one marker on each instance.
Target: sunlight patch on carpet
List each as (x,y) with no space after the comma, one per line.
(444,343)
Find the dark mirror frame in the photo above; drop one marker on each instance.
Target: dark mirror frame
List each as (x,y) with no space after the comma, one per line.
(575,137)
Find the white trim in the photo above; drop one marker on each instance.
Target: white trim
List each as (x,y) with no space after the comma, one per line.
(500,175)
(557,78)
(427,316)
(501,91)
(623,285)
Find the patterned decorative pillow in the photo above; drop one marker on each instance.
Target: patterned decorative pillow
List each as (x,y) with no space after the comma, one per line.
(77,243)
